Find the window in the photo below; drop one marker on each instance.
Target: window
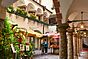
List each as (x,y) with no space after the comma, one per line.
(39,17)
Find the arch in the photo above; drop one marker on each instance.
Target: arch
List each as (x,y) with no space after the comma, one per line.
(72,16)
(45,14)
(30,7)
(39,11)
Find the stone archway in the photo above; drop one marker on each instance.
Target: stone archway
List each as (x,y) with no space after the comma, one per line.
(39,11)
(30,7)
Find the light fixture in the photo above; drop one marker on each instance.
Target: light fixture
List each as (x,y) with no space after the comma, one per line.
(82,24)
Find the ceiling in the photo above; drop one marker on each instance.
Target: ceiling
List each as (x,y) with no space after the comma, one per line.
(71,9)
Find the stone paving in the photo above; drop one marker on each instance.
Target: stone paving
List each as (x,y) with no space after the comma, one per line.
(38,55)
(39,52)
(47,56)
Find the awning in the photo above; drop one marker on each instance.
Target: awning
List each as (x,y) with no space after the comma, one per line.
(31,32)
(55,36)
(38,34)
(51,34)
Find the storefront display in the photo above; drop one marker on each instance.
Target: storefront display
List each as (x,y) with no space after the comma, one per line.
(54,44)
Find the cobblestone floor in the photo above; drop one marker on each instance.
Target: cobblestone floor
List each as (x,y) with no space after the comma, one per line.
(46,57)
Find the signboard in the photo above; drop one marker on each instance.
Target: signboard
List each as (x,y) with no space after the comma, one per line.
(22,47)
(14,51)
(27,47)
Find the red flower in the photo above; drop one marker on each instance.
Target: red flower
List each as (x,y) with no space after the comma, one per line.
(19,40)
(27,43)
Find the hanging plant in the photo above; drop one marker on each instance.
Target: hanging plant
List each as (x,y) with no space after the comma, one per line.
(10,9)
(24,14)
(32,16)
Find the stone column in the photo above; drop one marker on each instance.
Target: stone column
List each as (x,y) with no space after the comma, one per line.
(75,45)
(70,44)
(63,41)
(78,43)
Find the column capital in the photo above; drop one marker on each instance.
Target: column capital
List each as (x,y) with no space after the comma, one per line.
(75,34)
(62,27)
(70,30)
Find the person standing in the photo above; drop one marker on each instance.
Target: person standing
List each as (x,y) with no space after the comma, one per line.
(42,47)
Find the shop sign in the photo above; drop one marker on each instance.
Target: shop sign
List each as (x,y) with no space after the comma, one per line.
(27,47)
(13,49)
(22,47)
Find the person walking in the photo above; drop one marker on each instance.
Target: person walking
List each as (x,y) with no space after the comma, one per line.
(45,46)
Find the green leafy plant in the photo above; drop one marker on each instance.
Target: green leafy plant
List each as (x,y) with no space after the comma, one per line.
(7,39)
(10,9)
